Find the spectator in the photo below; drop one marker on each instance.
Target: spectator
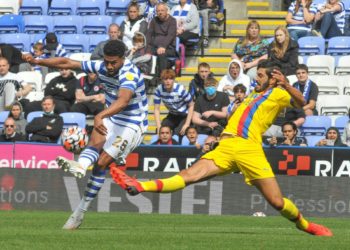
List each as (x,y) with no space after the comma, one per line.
(14,57)
(284,51)
(11,86)
(161,37)
(290,131)
(148,9)
(137,54)
(333,139)
(187,19)
(239,95)
(177,100)
(205,11)
(165,136)
(196,87)
(39,53)
(52,47)
(300,17)
(89,95)
(234,76)
(61,88)
(330,19)
(210,110)
(251,49)
(47,128)
(308,88)
(114,34)
(10,134)
(133,23)
(192,136)
(16,113)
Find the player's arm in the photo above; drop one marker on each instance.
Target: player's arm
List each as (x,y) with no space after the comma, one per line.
(54,62)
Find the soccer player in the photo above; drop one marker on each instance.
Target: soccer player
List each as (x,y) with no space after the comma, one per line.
(240,149)
(118,129)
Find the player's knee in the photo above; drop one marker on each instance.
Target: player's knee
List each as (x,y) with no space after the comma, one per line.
(277,203)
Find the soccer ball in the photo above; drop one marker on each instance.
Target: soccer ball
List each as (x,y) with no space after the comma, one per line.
(74,139)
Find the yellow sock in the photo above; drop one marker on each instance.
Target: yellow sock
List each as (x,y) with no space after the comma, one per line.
(291,212)
(171,184)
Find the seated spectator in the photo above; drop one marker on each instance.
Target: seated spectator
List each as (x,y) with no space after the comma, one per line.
(133,23)
(114,34)
(16,113)
(52,47)
(39,53)
(192,136)
(196,87)
(333,139)
(137,54)
(234,76)
(300,17)
(61,88)
(346,134)
(239,95)
(89,95)
(10,134)
(284,51)
(177,100)
(308,88)
(330,19)
(14,58)
(148,9)
(290,131)
(165,136)
(251,49)
(187,20)
(210,110)
(47,128)
(161,37)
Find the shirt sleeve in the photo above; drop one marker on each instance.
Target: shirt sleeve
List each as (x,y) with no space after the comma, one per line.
(129,80)
(92,66)
(157,97)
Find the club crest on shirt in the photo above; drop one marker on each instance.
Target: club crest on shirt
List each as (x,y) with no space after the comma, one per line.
(129,76)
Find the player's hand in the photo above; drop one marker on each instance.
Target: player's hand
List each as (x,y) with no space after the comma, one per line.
(99,126)
(280,78)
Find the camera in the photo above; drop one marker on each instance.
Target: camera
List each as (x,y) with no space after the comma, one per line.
(329,142)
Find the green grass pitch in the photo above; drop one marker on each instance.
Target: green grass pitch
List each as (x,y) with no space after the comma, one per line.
(42,230)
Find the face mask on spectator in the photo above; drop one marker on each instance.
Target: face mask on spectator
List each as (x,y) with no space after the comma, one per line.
(211,90)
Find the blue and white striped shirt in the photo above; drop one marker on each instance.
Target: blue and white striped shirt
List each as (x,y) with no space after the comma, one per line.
(60,51)
(129,77)
(175,101)
(299,16)
(339,16)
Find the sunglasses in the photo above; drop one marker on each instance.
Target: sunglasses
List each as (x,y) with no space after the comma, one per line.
(9,126)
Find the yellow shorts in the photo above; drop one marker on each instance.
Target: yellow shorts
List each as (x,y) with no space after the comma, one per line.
(238,154)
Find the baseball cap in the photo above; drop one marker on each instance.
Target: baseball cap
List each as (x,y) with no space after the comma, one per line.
(51,41)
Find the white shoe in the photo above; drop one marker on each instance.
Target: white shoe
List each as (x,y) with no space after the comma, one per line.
(74,221)
(72,166)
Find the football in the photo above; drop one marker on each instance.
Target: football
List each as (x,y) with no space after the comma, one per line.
(74,139)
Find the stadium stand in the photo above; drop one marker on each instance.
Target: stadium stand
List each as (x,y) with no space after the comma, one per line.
(73,119)
(91,7)
(34,7)
(328,84)
(338,46)
(67,24)
(9,7)
(315,125)
(96,24)
(11,24)
(321,64)
(343,66)
(312,140)
(94,39)
(33,78)
(38,24)
(333,104)
(18,40)
(34,114)
(340,122)
(3,117)
(62,7)
(311,45)
(75,43)
(117,7)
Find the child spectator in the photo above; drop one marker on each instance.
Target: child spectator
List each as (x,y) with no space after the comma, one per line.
(239,95)
(138,55)
(165,137)
(192,136)
(39,53)
(196,87)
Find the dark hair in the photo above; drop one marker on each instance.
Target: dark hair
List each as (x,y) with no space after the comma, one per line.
(190,127)
(167,74)
(269,66)
(294,126)
(238,87)
(165,126)
(204,65)
(48,97)
(211,81)
(114,48)
(303,67)
(338,141)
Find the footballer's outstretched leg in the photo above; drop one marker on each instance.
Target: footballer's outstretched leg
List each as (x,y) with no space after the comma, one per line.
(70,166)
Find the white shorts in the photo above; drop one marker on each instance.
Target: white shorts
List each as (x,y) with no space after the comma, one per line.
(121,140)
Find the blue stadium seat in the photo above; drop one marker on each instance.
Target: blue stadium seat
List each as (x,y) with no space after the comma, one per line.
(3,117)
(38,24)
(11,24)
(62,7)
(313,139)
(34,7)
(96,24)
(119,19)
(19,40)
(338,46)
(94,39)
(117,7)
(67,24)
(35,37)
(73,119)
(75,43)
(91,7)
(311,45)
(315,125)
(340,122)
(33,115)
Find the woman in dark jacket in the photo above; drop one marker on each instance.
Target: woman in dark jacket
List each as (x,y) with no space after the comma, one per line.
(284,51)
(333,139)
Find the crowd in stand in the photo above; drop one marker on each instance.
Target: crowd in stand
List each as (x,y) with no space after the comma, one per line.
(151,30)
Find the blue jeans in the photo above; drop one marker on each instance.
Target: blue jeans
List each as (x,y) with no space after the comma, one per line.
(329,27)
(296,34)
